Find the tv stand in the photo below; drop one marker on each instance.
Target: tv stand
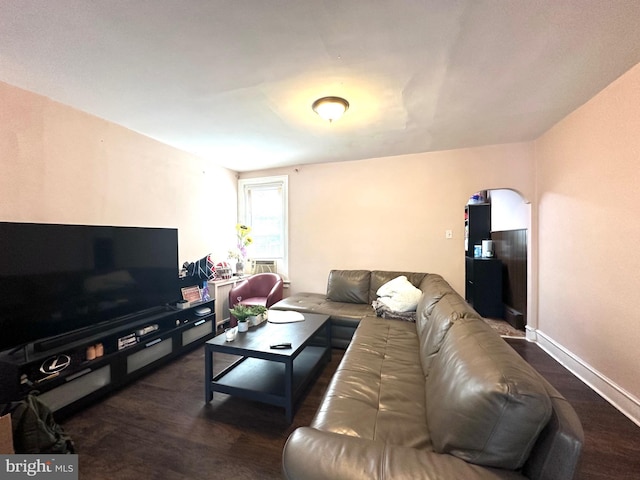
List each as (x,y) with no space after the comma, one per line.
(52,343)
(73,370)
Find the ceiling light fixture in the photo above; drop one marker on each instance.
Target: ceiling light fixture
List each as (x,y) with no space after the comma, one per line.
(330,108)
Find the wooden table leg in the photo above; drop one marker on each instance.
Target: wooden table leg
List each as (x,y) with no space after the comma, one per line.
(288,389)
(208,374)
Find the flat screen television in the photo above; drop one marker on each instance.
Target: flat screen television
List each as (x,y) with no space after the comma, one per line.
(57,279)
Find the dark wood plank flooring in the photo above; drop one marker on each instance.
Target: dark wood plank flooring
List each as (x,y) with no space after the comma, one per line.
(160,427)
(612,441)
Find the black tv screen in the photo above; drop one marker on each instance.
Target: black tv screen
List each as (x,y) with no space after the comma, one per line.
(55,279)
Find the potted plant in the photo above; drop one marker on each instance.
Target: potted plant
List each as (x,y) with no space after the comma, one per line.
(258,315)
(242,313)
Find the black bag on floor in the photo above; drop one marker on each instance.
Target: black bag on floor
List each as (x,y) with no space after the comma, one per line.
(35,430)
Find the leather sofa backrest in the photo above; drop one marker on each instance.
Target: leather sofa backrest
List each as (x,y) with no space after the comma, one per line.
(360,286)
(434,287)
(349,286)
(433,328)
(485,404)
(439,307)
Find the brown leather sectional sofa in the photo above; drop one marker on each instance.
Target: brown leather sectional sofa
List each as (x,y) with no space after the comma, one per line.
(442,398)
(349,296)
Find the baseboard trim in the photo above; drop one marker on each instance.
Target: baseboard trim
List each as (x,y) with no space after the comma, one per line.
(617,396)
(531,334)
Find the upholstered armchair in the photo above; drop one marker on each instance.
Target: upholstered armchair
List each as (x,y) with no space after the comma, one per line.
(261,289)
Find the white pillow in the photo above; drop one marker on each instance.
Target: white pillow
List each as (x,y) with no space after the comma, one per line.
(399,295)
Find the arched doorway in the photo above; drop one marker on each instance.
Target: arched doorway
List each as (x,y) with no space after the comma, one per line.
(508,229)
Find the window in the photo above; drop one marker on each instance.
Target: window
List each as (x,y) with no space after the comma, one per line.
(263,205)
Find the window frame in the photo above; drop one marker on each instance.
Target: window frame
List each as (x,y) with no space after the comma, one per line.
(282,181)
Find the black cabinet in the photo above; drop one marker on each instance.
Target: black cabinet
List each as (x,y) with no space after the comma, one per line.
(483,287)
(477,226)
(75,373)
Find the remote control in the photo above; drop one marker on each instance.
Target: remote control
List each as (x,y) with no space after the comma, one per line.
(281,345)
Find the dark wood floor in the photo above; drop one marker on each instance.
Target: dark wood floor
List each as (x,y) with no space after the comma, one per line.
(612,441)
(160,428)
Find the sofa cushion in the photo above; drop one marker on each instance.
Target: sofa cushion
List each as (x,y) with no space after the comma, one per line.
(399,295)
(485,404)
(349,286)
(377,391)
(302,302)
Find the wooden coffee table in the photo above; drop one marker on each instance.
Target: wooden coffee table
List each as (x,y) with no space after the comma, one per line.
(274,376)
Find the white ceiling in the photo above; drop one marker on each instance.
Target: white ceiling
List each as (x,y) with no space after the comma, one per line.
(233,80)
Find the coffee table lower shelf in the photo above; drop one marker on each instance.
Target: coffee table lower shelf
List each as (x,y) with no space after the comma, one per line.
(265,380)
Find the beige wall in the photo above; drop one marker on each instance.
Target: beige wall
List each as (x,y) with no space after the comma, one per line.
(60,165)
(392,213)
(589,258)
(582,179)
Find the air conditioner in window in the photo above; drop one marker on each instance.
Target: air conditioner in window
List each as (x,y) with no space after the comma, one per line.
(265,266)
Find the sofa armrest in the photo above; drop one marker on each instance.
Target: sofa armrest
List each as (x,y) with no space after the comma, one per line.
(312,454)
(556,454)
(275,295)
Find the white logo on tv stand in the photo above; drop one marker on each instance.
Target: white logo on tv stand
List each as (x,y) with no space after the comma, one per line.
(55,364)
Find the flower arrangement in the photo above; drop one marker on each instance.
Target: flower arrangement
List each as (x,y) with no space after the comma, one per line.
(242,242)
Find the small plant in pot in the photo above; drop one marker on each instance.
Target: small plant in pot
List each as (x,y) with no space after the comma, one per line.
(259,314)
(244,314)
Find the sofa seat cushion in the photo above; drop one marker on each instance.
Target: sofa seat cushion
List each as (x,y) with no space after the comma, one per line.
(377,392)
(302,302)
(319,303)
(485,404)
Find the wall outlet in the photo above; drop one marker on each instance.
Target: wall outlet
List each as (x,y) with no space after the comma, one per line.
(448,234)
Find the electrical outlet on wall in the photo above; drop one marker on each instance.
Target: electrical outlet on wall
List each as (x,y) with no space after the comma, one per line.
(448,234)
